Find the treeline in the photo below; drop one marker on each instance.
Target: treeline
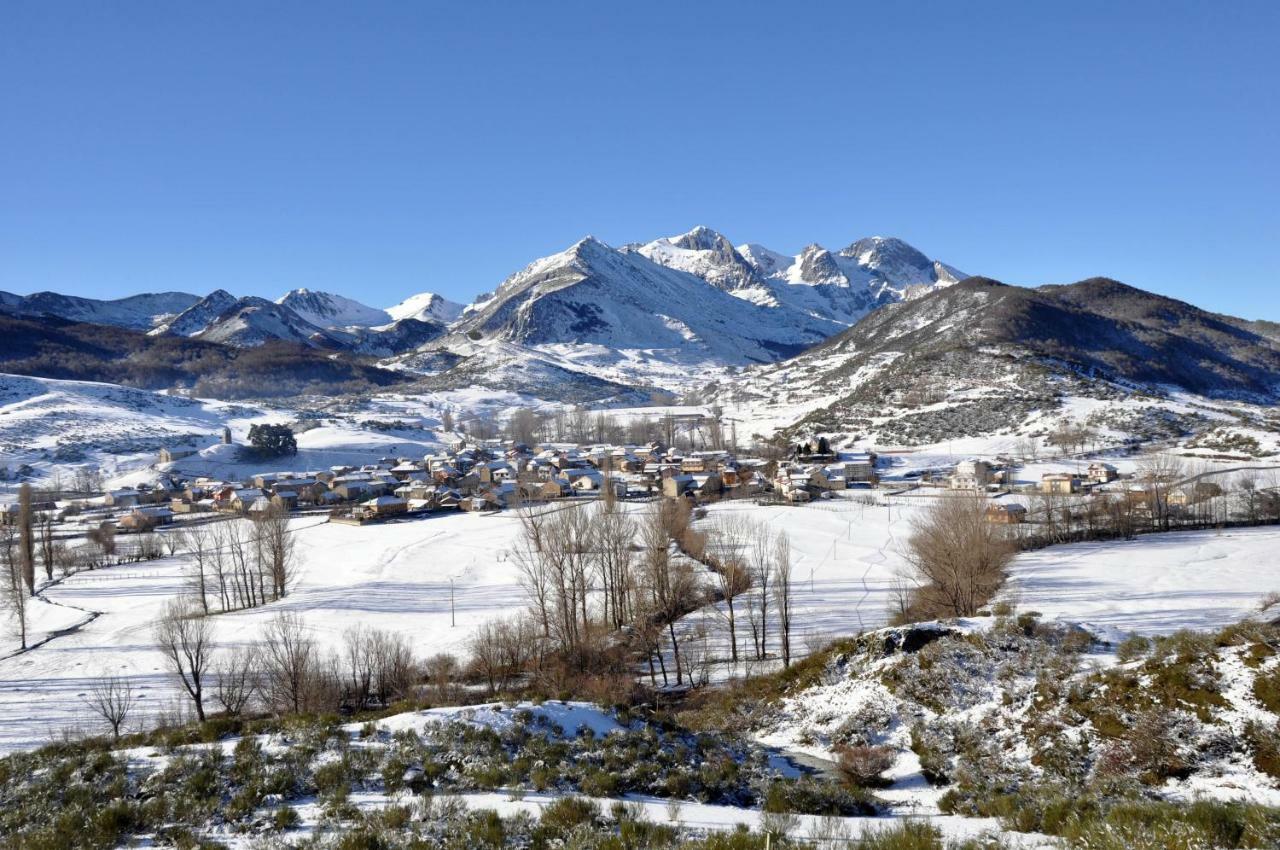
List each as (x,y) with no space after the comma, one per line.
(1165,494)
(54,348)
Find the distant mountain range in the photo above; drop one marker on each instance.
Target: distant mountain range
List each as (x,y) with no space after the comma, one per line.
(667,317)
(695,292)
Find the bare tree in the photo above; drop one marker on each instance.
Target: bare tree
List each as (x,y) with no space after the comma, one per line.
(198,540)
(760,566)
(48,547)
(276,545)
(185,637)
(1159,473)
(14,585)
(956,556)
(615,535)
(441,670)
(733,540)
(1248,486)
(395,668)
(782,593)
(112,699)
(174,541)
(292,664)
(236,679)
(26,538)
(486,654)
(104,537)
(524,426)
(671,584)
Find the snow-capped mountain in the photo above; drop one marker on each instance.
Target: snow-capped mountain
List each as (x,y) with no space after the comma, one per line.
(592,294)
(427,307)
(326,310)
(137,312)
(841,287)
(243,322)
(198,316)
(324,321)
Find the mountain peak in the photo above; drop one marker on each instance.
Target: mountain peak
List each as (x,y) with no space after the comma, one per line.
(879,251)
(327,310)
(701,238)
(426,307)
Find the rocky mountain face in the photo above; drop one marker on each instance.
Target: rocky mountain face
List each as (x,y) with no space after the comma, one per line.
(305,317)
(1098,327)
(688,299)
(835,333)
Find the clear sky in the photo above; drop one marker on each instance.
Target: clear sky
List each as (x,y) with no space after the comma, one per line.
(382,149)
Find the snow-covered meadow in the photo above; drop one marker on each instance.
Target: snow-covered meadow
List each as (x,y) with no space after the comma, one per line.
(419,577)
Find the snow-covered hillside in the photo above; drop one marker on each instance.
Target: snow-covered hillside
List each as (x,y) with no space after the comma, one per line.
(55,426)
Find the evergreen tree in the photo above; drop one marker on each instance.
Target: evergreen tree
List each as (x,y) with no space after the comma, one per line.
(272,440)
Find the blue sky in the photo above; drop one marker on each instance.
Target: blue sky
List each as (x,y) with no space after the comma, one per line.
(382,149)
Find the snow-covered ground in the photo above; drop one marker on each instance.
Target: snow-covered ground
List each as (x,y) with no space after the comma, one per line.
(846,557)
(394,576)
(1154,584)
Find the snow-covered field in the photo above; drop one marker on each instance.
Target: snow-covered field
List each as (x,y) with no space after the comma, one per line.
(396,576)
(1154,584)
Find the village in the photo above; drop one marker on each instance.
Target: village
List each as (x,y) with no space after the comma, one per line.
(485,475)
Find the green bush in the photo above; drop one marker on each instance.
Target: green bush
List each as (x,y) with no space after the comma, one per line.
(1132,648)
(807,796)
(908,835)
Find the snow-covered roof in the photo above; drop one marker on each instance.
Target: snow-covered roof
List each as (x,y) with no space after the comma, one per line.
(382,502)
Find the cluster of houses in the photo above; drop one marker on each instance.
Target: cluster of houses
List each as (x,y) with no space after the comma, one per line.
(981,475)
(491,475)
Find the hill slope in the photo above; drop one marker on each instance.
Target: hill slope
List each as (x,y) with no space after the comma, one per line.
(981,357)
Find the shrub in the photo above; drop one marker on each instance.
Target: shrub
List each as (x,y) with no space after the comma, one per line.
(1264,740)
(284,818)
(908,835)
(485,829)
(1132,648)
(863,765)
(562,817)
(808,796)
(934,762)
(1266,688)
(600,783)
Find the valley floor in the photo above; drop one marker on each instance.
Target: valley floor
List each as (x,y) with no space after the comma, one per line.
(397,576)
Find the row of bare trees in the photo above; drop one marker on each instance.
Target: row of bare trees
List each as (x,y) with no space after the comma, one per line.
(239,564)
(283,671)
(1165,494)
(753,570)
(18,559)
